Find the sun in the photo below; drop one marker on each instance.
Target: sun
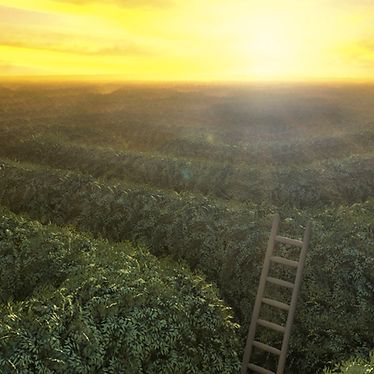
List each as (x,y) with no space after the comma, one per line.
(267,45)
(270,46)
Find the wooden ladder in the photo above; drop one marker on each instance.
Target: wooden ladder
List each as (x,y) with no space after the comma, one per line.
(260,299)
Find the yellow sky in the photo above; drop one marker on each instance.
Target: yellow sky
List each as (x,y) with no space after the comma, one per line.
(199,40)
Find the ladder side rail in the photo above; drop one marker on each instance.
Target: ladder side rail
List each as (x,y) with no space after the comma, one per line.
(260,293)
(295,293)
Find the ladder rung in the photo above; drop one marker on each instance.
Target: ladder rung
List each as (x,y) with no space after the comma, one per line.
(275,303)
(282,239)
(266,348)
(259,369)
(284,261)
(280,282)
(271,325)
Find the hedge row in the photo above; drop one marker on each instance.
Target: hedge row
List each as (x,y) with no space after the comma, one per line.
(172,141)
(279,152)
(195,124)
(358,365)
(71,304)
(336,305)
(348,180)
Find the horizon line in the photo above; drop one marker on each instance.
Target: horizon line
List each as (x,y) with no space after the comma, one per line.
(108,78)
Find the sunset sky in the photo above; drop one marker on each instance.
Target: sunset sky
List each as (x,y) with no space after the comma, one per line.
(199,40)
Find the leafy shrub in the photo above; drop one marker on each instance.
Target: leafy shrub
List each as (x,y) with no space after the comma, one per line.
(112,309)
(30,259)
(354,366)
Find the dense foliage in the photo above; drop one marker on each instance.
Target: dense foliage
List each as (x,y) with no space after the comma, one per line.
(356,365)
(196,172)
(71,304)
(326,182)
(227,244)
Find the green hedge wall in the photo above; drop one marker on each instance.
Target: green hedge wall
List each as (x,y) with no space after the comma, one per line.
(71,304)
(349,179)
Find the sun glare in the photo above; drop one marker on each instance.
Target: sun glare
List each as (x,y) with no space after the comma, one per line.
(268,40)
(269,48)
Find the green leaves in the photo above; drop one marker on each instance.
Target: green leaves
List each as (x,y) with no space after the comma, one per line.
(358,365)
(112,309)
